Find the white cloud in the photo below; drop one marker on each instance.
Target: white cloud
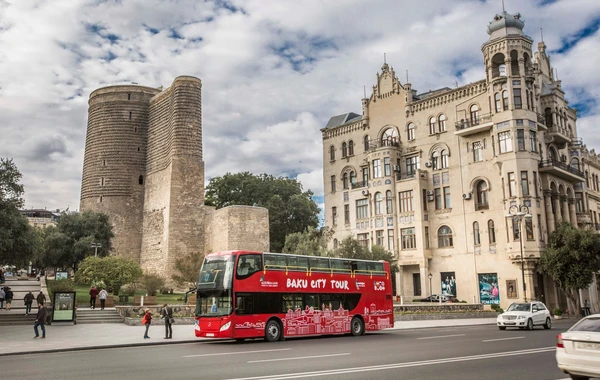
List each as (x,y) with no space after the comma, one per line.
(273,72)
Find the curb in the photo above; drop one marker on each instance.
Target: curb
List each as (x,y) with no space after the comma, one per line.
(71,349)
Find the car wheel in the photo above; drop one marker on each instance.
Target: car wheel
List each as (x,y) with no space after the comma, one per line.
(357,326)
(530,324)
(502,327)
(272,331)
(548,324)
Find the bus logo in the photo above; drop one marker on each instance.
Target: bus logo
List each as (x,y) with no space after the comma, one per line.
(379,285)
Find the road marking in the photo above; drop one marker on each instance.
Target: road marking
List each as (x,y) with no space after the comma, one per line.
(297,358)
(335,372)
(495,340)
(441,336)
(237,353)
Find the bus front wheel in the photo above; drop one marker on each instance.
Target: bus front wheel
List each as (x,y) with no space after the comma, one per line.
(357,326)
(272,331)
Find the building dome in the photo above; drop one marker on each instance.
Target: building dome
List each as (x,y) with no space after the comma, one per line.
(505,21)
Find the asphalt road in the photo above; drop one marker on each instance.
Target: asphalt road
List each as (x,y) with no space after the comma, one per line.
(472,352)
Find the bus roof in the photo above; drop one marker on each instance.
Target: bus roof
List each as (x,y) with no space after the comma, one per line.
(240,252)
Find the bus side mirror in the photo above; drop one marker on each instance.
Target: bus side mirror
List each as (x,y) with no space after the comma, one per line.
(238,301)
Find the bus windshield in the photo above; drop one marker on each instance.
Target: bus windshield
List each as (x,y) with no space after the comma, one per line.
(214,293)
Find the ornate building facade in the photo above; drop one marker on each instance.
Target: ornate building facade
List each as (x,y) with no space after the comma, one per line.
(143,166)
(432,177)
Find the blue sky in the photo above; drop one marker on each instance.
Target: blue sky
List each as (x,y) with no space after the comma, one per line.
(273,71)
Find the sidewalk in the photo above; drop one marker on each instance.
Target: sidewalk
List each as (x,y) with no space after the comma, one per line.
(19,339)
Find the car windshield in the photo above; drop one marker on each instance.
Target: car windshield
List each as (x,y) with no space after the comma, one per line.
(587,325)
(519,307)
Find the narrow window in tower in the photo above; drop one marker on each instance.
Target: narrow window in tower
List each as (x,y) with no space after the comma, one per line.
(135,129)
(517,98)
(129,96)
(102,181)
(103,162)
(138,148)
(141,180)
(505,100)
(100,200)
(130,115)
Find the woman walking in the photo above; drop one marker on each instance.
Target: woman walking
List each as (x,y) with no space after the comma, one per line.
(147,320)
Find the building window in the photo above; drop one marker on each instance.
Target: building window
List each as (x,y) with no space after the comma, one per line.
(426,237)
(387,167)
(442,123)
(365,175)
(405,201)
(539,220)
(524,183)
(411,132)
(517,97)
(352,177)
(141,180)
(533,141)
(535,184)
(529,229)
(445,237)
(482,196)
(379,238)
(129,96)
(505,100)
(344,150)
(363,239)
(505,142)
(351,148)
(391,240)
(512,187)
(515,228)
(332,153)
(333,184)
(377,168)
(497,101)
(474,115)
(579,202)
(345,181)
(378,203)
(444,159)
(491,232)
(435,160)
(334,215)
(476,236)
(362,208)
(412,164)
(335,243)
(408,238)
(390,137)
(447,203)
(424,199)
(389,208)
(432,126)
(548,117)
(520,139)
(437,193)
(130,115)
(346,214)
(477,151)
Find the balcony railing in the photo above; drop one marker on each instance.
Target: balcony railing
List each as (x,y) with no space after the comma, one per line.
(358,185)
(391,142)
(561,165)
(410,175)
(473,122)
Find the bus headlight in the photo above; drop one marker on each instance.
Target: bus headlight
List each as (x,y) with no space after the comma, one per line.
(225,326)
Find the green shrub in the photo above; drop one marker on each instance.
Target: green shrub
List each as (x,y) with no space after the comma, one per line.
(557,311)
(65,285)
(497,308)
(152,283)
(99,284)
(128,290)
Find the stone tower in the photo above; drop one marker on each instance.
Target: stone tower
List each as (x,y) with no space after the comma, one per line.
(143,167)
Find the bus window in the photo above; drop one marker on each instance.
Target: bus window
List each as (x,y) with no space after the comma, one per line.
(292,261)
(330,301)
(291,302)
(341,265)
(311,300)
(360,265)
(319,264)
(248,264)
(303,262)
(244,304)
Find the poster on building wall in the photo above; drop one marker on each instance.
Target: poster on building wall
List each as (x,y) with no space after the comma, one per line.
(511,288)
(489,292)
(448,283)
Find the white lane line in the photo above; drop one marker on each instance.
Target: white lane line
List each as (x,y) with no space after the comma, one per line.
(441,336)
(297,358)
(496,340)
(237,353)
(334,372)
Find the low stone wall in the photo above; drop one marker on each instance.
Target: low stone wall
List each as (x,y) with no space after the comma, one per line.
(434,316)
(159,322)
(438,308)
(132,315)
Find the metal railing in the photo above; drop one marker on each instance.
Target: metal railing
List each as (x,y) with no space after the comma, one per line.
(473,122)
(561,165)
(358,185)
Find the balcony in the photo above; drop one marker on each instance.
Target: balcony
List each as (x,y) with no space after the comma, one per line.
(358,185)
(403,176)
(469,126)
(560,135)
(384,143)
(562,170)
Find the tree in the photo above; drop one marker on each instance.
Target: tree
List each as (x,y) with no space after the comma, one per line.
(571,260)
(350,248)
(290,209)
(311,242)
(188,270)
(115,271)
(11,191)
(152,283)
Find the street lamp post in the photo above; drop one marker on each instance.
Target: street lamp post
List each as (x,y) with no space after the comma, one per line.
(430,288)
(96,246)
(518,213)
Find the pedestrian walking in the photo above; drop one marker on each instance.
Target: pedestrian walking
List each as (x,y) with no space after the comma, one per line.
(40,320)
(9,297)
(587,306)
(28,300)
(102,297)
(147,320)
(2,297)
(93,294)
(167,315)
(41,298)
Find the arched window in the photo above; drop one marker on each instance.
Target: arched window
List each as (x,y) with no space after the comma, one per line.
(444,159)
(442,123)
(389,209)
(497,102)
(548,117)
(332,153)
(476,236)
(410,132)
(432,126)
(505,100)
(491,232)
(344,149)
(389,137)
(498,67)
(352,177)
(351,148)
(366,143)
(435,160)
(474,115)
(345,180)
(482,196)
(445,237)
(378,203)
(335,243)
(575,163)
(514,63)
(141,180)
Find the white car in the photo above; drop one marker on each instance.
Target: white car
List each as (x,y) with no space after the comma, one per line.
(578,349)
(525,315)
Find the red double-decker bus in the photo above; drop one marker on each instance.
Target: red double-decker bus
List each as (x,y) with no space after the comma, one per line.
(246,295)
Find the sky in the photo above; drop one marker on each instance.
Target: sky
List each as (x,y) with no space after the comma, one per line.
(273,71)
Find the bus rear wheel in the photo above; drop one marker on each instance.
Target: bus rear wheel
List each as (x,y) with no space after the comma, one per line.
(357,326)
(272,331)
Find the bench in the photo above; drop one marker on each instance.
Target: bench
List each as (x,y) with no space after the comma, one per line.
(148,300)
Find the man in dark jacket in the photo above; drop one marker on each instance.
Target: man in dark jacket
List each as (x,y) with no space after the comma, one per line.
(28,299)
(41,298)
(167,315)
(9,297)
(40,320)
